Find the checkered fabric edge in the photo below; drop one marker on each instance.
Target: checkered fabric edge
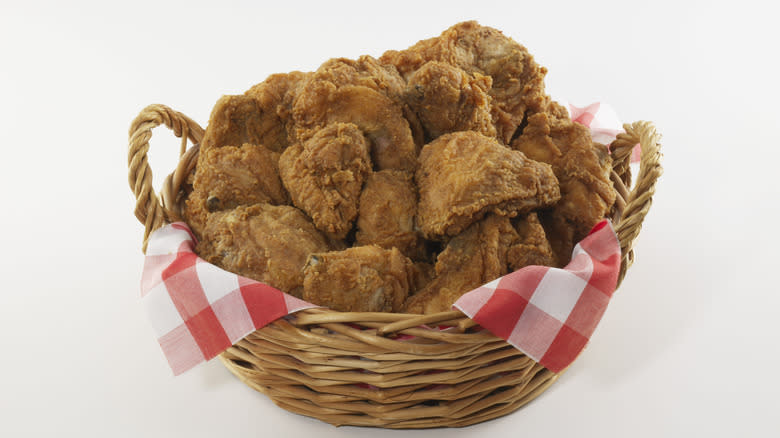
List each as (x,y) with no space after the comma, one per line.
(549,313)
(198,310)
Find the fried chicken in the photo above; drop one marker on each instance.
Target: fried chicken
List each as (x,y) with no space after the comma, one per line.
(448,99)
(518,82)
(230,176)
(261,116)
(464,175)
(388,205)
(472,258)
(582,168)
(325,176)
(263,242)
(345,91)
(358,279)
(532,246)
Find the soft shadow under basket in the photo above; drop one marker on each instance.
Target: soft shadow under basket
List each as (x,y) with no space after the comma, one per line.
(347,368)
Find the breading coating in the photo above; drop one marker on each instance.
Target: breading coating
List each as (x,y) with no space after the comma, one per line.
(230,176)
(358,279)
(532,246)
(325,175)
(344,91)
(582,167)
(267,243)
(472,258)
(518,82)
(260,116)
(388,205)
(397,184)
(447,99)
(464,175)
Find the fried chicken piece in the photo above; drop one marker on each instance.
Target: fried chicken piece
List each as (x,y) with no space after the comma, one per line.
(448,99)
(325,176)
(264,242)
(518,82)
(388,205)
(230,176)
(582,167)
(358,279)
(261,116)
(532,246)
(366,94)
(474,257)
(561,236)
(366,71)
(464,175)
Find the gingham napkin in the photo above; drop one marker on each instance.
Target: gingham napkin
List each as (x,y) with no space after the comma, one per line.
(549,313)
(198,310)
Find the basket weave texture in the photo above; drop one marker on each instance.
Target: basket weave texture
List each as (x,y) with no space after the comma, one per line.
(385,369)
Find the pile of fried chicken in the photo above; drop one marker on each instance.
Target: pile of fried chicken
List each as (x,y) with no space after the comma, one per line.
(397,184)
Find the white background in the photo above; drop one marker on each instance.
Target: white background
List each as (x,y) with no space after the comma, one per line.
(688,347)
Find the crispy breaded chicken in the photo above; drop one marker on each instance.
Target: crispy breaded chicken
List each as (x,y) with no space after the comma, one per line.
(388,205)
(581,166)
(518,82)
(261,116)
(230,176)
(325,175)
(472,258)
(263,242)
(447,99)
(364,93)
(464,175)
(358,279)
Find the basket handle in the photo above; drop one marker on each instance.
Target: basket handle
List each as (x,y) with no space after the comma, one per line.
(148,209)
(641,196)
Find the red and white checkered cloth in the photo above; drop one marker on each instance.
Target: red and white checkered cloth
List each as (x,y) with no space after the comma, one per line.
(199,310)
(549,313)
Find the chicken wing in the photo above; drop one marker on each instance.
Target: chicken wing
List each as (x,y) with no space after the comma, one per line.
(263,242)
(358,279)
(325,176)
(518,82)
(581,166)
(388,205)
(464,175)
(472,258)
(448,99)
(230,176)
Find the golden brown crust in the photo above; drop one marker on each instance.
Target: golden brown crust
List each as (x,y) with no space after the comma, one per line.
(582,167)
(365,93)
(358,279)
(230,176)
(379,117)
(388,205)
(263,242)
(532,246)
(518,82)
(447,99)
(325,175)
(472,258)
(464,175)
(261,116)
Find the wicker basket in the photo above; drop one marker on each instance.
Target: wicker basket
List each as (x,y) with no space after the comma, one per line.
(350,368)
